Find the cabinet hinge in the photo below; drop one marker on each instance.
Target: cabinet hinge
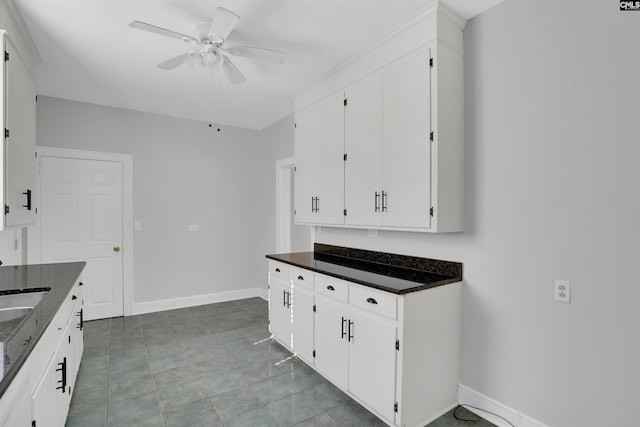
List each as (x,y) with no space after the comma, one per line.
(395,407)
(314,308)
(431,136)
(314,353)
(6,209)
(398,345)
(345,157)
(6,133)
(345,212)
(431,62)
(6,56)
(345,102)
(431,211)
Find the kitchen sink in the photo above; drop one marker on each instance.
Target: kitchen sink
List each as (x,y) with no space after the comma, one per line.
(7,314)
(21,300)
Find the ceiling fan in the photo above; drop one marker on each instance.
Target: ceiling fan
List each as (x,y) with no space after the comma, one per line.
(212,49)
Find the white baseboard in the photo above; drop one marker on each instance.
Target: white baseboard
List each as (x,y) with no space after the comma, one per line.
(467,396)
(191,301)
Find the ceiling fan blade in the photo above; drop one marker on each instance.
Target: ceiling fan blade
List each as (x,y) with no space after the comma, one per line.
(231,71)
(172,63)
(203,25)
(256,52)
(162,31)
(223,22)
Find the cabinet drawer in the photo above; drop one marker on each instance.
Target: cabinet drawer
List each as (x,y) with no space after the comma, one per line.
(332,287)
(301,277)
(279,270)
(382,303)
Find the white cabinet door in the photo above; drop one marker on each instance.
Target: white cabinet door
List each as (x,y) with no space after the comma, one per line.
(51,398)
(331,335)
(319,152)
(406,140)
(280,310)
(306,166)
(75,340)
(363,146)
(20,142)
(372,362)
(303,323)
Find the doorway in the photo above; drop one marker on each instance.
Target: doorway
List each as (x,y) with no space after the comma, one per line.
(84,211)
(289,236)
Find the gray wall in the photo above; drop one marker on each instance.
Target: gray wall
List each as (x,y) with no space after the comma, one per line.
(183,173)
(552,192)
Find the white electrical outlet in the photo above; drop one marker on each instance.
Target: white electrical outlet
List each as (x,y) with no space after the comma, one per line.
(137,225)
(563,291)
(194,227)
(373,233)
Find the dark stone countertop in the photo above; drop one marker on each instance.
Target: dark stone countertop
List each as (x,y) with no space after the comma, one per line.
(398,274)
(21,335)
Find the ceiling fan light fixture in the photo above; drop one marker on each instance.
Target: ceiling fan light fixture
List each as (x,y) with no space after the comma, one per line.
(209,57)
(195,60)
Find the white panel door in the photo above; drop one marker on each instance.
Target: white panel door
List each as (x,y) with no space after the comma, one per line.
(81,220)
(406,140)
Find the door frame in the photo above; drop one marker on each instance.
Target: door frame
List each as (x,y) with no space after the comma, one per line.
(284,221)
(283,204)
(33,232)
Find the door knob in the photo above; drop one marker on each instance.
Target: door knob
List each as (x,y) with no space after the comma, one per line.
(116,249)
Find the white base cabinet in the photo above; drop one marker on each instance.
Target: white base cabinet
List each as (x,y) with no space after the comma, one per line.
(397,355)
(40,396)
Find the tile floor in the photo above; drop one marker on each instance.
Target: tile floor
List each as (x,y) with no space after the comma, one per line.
(211,365)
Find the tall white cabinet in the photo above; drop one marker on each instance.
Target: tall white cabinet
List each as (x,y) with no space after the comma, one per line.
(19,137)
(396,354)
(319,170)
(403,132)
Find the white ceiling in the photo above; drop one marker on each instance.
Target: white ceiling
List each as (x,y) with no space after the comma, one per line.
(90,54)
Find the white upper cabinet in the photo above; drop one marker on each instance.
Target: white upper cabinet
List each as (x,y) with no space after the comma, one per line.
(403,132)
(19,130)
(319,173)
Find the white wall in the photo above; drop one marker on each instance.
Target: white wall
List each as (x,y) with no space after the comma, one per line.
(552,192)
(183,173)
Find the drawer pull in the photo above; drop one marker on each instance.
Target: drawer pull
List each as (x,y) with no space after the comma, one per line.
(352,328)
(300,278)
(277,270)
(331,288)
(371,301)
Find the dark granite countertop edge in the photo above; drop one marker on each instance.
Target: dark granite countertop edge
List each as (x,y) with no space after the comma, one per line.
(419,285)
